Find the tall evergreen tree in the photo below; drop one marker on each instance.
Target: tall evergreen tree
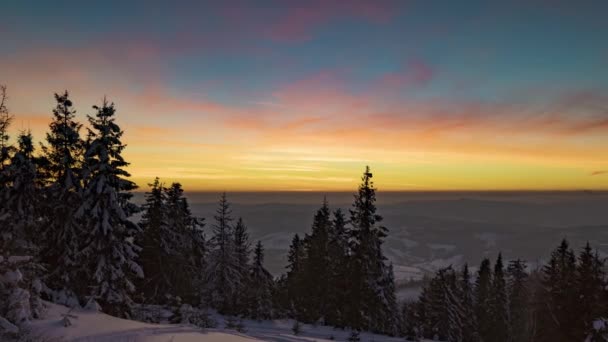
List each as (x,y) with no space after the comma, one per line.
(519,301)
(469,323)
(294,284)
(19,216)
(160,244)
(590,285)
(316,270)
(107,259)
(242,249)
(557,314)
(261,286)
(63,154)
(338,251)
(223,273)
(483,286)
(192,254)
(499,304)
(369,305)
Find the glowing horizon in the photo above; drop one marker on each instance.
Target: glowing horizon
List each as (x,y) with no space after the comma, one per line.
(286,97)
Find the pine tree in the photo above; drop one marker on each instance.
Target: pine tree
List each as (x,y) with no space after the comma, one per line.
(498,304)
(316,270)
(108,258)
(19,217)
(369,305)
(590,285)
(294,287)
(62,168)
(483,285)
(469,323)
(160,244)
(338,251)
(557,314)
(223,272)
(519,302)
(261,286)
(242,249)
(192,253)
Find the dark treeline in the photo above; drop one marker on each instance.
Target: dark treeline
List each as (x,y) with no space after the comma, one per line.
(565,300)
(66,235)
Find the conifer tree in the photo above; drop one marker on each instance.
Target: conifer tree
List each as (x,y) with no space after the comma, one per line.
(519,302)
(483,286)
(62,168)
(557,314)
(192,253)
(223,272)
(261,286)
(338,251)
(498,304)
(108,258)
(316,270)
(369,306)
(242,249)
(469,323)
(294,287)
(20,213)
(590,284)
(159,243)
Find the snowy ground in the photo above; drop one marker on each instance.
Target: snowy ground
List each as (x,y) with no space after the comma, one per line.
(97,327)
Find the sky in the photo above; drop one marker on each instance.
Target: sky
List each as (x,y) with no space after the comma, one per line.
(301,95)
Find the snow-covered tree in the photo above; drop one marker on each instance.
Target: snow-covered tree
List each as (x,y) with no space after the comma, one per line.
(260,289)
(19,216)
(62,168)
(193,251)
(108,258)
(316,267)
(369,303)
(242,249)
(223,273)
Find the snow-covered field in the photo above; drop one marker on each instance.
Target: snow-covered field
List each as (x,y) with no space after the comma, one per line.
(90,326)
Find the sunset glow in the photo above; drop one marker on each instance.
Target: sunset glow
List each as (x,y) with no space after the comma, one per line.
(302,96)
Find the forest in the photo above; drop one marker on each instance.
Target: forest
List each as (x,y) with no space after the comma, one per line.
(68,236)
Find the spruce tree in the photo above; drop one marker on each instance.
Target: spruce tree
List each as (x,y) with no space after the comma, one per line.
(557,314)
(469,323)
(316,270)
(160,244)
(294,284)
(519,301)
(369,306)
(338,251)
(192,253)
(590,285)
(483,286)
(223,272)
(108,258)
(499,304)
(260,290)
(20,213)
(62,168)
(242,249)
